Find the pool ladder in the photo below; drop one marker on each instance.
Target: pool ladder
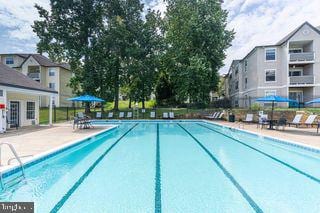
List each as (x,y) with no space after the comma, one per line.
(10,183)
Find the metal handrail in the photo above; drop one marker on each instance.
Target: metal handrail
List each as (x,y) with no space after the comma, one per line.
(16,157)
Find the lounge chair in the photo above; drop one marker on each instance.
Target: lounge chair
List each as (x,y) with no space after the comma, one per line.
(296,121)
(310,120)
(212,116)
(263,121)
(220,116)
(121,114)
(129,115)
(99,115)
(152,114)
(81,115)
(171,115)
(110,115)
(165,115)
(249,118)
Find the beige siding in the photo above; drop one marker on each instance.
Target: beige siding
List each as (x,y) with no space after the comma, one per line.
(64,89)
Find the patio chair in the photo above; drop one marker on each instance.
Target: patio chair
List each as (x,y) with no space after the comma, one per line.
(310,120)
(121,114)
(110,115)
(171,115)
(263,121)
(129,115)
(152,114)
(249,118)
(282,122)
(99,115)
(296,121)
(212,116)
(81,115)
(165,115)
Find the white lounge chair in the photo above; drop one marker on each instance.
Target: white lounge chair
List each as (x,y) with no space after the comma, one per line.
(171,115)
(212,116)
(129,115)
(220,116)
(165,115)
(121,114)
(98,115)
(296,121)
(110,115)
(152,114)
(310,120)
(217,115)
(249,118)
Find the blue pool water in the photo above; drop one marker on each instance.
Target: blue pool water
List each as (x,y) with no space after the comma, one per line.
(174,167)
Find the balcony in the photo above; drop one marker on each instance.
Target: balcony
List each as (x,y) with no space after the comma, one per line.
(34,75)
(301,80)
(301,58)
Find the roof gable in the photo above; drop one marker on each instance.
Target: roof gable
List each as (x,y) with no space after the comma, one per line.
(12,78)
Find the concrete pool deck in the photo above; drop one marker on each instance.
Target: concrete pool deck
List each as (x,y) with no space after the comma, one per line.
(307,136)
(32,141)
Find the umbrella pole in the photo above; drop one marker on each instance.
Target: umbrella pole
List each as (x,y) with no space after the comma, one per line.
(271,121)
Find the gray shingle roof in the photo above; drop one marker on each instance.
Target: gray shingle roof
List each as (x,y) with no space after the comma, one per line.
(12,78)
(44,61)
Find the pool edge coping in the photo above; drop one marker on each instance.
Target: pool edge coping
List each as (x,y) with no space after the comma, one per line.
(12,169)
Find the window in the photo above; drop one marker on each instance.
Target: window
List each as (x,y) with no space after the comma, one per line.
(271,54)
(31,108)
(245,65)
(52,86)
(295,50)
(270,75)
(9,60)
(246,83)
(295,73)
(52,72)
(237,70)
(270,92)
(236,85)
(1,93)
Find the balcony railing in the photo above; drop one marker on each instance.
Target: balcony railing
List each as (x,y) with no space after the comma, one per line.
(301,80)
(302,57)
(34,75)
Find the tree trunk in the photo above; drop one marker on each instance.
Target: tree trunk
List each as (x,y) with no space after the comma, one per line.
(130,103)
(116,85)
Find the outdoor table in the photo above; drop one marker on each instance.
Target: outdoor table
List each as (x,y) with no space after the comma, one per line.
(271,123)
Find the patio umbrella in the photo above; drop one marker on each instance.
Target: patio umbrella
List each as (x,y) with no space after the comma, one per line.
(274,99)
(315,101)
(86,98)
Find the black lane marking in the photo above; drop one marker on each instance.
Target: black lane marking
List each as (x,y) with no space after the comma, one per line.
(62,201)
(269,156)
(158,175)
(252,203)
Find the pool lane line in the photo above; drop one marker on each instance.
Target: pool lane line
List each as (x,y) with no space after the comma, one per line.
(158,175)
(252,203)
(62,201)
(317,180)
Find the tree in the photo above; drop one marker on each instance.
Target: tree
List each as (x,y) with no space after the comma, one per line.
(196,38)
(66,34)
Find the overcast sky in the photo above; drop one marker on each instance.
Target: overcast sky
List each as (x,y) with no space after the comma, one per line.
(256,22)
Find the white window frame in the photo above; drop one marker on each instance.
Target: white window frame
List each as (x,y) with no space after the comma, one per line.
(1,93)
(270,91)
(299,48)
(275,54)
(7,58)
(246,65)
(265,75)
(54,88)
(34,110)
(52,70)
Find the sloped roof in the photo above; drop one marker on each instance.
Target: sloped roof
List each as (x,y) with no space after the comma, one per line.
(12,78)
(44,61)
(286,38)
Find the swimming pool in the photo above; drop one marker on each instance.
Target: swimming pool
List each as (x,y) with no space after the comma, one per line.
(173,167)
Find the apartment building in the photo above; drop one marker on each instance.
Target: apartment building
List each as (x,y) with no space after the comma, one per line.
(289,68)
(41,69)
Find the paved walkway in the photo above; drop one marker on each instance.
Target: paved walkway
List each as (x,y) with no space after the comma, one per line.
(35,140)
(302,135)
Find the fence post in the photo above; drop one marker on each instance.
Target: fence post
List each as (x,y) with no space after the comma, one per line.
(67,113)
(55,114)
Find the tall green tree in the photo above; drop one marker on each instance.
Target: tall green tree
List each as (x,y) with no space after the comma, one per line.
(196,38)
(66,33)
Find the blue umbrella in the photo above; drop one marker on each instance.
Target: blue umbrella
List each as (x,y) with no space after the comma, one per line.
(274,99)
(86,98)
(315,101)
